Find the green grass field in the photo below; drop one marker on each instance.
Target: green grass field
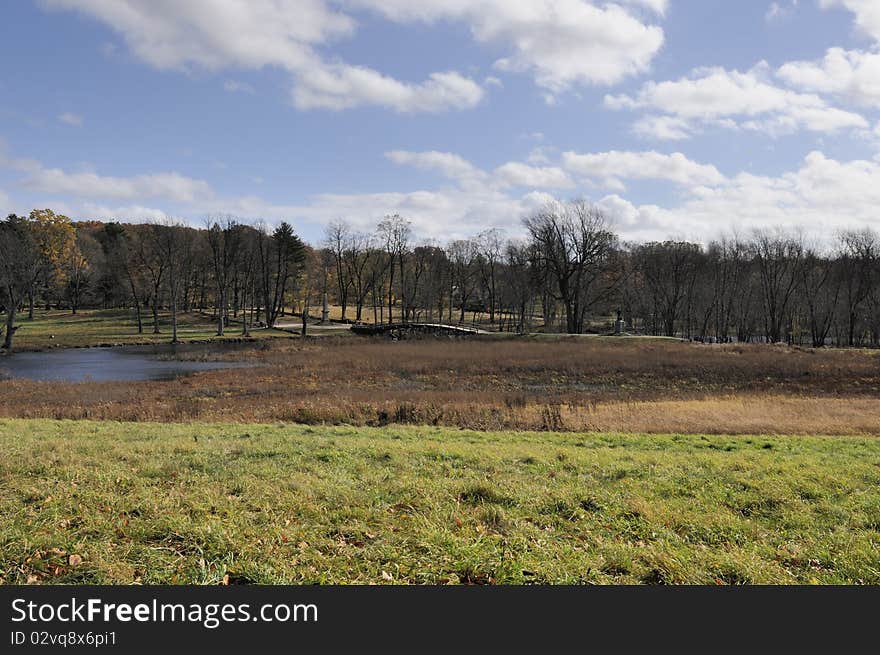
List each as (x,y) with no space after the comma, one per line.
(97,327)
(62,329)
(86,502)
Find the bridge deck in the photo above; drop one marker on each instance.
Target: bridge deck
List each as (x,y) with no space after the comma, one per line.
(427,328)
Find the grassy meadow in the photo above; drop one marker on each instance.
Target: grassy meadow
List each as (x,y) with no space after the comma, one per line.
(115,327)
(495,460)
(104,502)
(62,329)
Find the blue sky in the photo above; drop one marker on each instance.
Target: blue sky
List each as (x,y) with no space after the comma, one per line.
(683,118)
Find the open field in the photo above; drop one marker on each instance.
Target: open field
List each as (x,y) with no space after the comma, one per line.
(61,329)
(576,384)
(346,459)
(95,327)
(86,502)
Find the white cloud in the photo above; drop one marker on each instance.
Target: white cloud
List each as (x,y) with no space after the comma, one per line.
(636,223)
(220,35)
(68,118)
(169,186)
(750,100)
(867,14)
(773,12)
(611,167)
(435,214)
(465,173)
(234,86)
(560,42)
(439,215)
(127,213)
(216,35)
(540,155)
(778,11)
(658,6)
(538,177)
(822,194)
(851,74)
(342,87)
(662,128)
(589,46)
(446,163)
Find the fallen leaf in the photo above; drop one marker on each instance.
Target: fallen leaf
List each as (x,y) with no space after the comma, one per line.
(75,560)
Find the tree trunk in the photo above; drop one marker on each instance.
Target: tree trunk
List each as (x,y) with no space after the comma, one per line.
(221,301)
(156,313)
(137,307)
(173,317)
(10,324)
(391,291)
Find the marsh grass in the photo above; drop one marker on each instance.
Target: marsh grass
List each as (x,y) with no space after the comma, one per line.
(583,384)
(84,502)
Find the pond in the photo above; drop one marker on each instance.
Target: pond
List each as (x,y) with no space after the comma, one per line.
(122,364)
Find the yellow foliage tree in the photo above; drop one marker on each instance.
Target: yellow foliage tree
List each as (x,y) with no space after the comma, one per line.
(55,237)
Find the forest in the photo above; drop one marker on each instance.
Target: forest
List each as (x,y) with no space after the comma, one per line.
(566,271)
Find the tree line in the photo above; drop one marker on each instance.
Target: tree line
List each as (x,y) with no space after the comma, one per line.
(569,273)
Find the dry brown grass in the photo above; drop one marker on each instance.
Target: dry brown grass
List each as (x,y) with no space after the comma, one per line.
(779,415)
(570,384)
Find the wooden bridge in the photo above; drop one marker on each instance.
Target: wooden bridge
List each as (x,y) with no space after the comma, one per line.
(409,330)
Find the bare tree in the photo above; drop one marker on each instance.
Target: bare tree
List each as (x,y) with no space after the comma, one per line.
(249,264)
(519,288)
(858,252)
(224,238)
(174,245)
(357,253)
(19,254)
(462,255)
(573,247)
(150,260)
(728,265)
(779,258)
(395,232)
(669,271)
(491,247)
(820,286)
(337,238)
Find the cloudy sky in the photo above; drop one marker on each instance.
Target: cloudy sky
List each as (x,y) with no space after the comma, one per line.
(679,118)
